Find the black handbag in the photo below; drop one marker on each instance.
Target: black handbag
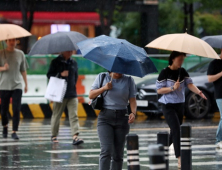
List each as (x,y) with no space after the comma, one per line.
(97,103)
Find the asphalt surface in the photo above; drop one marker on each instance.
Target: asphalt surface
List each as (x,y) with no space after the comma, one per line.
(35,151)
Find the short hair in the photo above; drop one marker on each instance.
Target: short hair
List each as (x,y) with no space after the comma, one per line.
(174,55)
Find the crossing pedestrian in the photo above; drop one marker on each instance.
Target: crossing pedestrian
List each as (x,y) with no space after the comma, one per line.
(65,67)
(13,67)
(171,84)
(215,75)
(113,120)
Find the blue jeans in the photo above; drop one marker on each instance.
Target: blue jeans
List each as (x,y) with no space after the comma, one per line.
(219,130)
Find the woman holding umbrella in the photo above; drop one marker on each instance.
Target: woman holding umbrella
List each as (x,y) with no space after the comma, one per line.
(13,67)
(119,57)
(171,83)
(113,120)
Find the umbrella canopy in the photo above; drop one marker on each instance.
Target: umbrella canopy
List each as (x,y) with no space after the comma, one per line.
(117,55)
(214,41)
(10,31)
(184,43)
(56,43)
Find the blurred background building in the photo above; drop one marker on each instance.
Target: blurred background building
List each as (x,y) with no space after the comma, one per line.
(138,21)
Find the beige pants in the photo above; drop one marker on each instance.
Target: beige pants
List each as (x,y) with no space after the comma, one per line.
(58,109)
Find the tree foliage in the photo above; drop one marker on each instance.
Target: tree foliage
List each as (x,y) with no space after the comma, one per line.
(130,26)
(205,15)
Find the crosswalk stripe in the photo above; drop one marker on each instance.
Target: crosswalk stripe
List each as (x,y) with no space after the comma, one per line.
(193,163)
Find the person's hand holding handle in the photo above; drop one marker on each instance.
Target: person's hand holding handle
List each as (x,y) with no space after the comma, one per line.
(6,66)
(108,86)
(65,73)
(176,85)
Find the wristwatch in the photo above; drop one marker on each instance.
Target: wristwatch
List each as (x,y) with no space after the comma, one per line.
(172,88)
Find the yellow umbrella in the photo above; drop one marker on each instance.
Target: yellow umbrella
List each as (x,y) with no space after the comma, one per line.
(10,31)
(184,43)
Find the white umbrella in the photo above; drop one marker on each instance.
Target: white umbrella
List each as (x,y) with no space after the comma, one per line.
(184,43)
(10,31)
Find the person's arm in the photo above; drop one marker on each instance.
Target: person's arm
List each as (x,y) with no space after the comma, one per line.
(96,92)
(132,100)
(212,73)
(76,73)
(4,68)
(212,78)
(133,107)
(161,83)
(194,89)
(24,75)
(165,90)
(52,70)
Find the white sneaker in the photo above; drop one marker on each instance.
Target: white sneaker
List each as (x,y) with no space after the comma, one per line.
(219,145)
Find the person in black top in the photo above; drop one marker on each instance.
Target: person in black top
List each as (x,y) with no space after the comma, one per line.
(65,67)
(215,75)
(171,83)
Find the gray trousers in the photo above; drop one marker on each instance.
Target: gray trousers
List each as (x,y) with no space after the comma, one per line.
(112,129)
(58,109)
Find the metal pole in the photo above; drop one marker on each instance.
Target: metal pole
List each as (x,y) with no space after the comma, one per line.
(156,155)
(163,138)
(133,152)
(186,151)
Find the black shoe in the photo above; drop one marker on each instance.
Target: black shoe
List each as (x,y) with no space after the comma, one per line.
(14,136)
(5,132)
(77,141)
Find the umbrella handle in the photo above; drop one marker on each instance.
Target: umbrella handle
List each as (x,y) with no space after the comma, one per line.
(179,73)
(3,50)
(111,78)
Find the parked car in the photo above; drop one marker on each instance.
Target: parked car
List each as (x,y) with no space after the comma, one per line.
(195,106)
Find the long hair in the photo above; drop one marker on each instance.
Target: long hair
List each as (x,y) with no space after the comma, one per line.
(174,55)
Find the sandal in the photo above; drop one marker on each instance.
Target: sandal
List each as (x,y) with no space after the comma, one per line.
(77,141)
(54,139)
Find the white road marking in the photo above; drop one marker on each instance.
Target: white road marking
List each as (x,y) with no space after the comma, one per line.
(79,165)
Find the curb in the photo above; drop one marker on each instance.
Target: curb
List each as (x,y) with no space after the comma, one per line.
(32,111)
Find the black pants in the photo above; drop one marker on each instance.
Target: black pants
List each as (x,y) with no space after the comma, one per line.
(16,106)
(112,129)
(174,117)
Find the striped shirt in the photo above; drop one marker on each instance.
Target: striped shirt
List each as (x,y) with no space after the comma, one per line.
(168,78)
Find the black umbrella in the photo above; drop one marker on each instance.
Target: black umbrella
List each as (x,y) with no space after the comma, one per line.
(56,43)
(214,41)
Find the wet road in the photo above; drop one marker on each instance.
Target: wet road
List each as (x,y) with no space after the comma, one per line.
(35,151)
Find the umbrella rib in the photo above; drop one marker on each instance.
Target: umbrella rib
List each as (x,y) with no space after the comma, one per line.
(116,57)
(205,50)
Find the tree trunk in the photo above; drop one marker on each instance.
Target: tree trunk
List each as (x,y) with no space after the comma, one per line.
(185,27)
(27,9)
(106,20)
(191,19)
